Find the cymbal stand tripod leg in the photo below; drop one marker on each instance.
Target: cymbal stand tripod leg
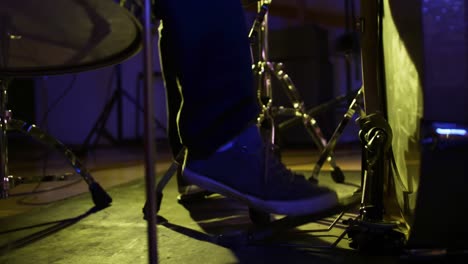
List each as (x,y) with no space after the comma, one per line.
(264,70)
(328,149)
(100,198)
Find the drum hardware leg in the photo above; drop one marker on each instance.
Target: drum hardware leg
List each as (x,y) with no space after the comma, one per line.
(326,152)
(263,70)
(369,232)
(159,189)
(174,169)
(100,198)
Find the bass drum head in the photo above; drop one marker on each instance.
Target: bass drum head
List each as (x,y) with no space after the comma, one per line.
(429,167)
(404,94)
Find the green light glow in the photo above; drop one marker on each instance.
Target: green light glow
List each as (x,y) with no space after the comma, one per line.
(405,107)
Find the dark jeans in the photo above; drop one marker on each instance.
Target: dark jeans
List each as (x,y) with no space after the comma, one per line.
(207,71)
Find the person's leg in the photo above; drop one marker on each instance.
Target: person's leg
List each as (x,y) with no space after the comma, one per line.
(173,95)
(226,154)
(209,51)
(173,102)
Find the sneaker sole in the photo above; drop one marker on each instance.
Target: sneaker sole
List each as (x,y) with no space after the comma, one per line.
(307,206)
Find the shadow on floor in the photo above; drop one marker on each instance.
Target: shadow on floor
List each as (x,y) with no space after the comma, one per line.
(195,233)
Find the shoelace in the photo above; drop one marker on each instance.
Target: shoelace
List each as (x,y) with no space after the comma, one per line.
(272,163)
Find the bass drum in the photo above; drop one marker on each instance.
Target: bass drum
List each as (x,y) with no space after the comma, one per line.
(55,37)
(424,103)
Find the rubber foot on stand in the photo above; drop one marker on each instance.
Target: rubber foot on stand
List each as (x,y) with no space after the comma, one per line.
(337,175)
(100,197)
(159,197)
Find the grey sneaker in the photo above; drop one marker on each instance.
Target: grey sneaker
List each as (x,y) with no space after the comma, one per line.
(239,172)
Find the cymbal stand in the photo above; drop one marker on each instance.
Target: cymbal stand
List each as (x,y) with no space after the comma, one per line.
(100,198)
(264,70)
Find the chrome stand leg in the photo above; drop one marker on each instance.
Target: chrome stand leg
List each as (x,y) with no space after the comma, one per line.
(100,198)
(299,110)
(328,149)
(4,116)
(264,70)
(263,75)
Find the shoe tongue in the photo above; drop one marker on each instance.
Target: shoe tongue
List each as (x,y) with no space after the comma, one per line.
(250,138)
(226,146)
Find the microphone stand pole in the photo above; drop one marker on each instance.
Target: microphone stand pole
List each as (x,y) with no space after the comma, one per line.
(150,146)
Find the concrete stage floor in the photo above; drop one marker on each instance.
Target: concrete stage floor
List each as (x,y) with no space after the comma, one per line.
(55,222)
